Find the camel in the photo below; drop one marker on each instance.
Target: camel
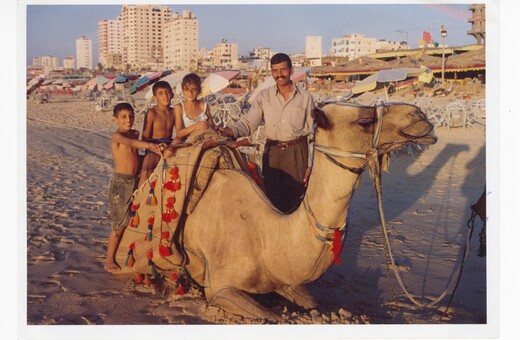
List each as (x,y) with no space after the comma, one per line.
(236,243)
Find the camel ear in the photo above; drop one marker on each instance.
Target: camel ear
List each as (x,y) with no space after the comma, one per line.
(321,119)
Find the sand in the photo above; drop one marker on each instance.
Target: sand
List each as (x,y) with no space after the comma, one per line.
(426,199)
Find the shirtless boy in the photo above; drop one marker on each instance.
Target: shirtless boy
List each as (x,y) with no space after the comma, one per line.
(158,126)
(125,142)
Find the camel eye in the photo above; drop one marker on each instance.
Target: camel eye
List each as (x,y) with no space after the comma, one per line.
(365,122)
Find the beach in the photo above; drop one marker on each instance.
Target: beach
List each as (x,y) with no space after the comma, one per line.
(427,196)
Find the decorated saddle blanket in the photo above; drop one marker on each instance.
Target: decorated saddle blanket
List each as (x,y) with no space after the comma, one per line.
(152,240)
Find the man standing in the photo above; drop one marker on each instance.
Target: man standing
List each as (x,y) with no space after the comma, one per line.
(285,110)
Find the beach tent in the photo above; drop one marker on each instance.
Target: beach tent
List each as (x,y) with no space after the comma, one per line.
(33,84)
(146,80)
(173,79)
(299,74)
(384,78)
(217,81)
(120,79)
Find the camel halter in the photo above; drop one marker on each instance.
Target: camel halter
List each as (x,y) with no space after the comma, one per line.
(371,160)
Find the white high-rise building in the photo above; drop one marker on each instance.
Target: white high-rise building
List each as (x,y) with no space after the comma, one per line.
(142,45)
(110,36)
(353,46)
(84,53)
(46,62)
(225,54)
(313,50)
(69,62)
(181,41)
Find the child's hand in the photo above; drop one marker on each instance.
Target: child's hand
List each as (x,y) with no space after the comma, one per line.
(201,125)
(155,148)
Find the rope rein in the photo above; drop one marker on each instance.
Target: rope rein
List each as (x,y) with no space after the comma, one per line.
(371,159)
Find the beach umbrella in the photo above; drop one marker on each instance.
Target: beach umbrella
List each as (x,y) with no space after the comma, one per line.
(34,83)
(217,81)
(384,77)
(173,79)
(299,74)
(144,81)
(117,80)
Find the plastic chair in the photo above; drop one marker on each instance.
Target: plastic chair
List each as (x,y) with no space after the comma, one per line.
(434,113)
(455,115)
(478,111)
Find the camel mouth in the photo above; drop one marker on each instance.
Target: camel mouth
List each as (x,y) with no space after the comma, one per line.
(424,140)
(420,132)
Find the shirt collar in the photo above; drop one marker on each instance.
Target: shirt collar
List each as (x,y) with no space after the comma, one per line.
(296,89)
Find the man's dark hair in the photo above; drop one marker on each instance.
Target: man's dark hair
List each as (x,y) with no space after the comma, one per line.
(161,85)
(123,106)
(280,58)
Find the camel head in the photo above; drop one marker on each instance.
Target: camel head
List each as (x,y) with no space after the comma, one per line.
(350,128)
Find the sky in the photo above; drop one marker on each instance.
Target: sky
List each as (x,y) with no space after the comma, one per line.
(52,29)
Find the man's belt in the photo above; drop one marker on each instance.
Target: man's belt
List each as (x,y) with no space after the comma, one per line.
(284,145)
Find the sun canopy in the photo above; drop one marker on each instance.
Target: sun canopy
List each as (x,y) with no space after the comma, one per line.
(173,79)
(217,81)
(385,76)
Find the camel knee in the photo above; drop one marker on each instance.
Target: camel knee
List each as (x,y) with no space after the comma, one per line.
(299,295)
(240,303)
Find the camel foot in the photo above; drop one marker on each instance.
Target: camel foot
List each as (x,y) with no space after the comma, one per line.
(299,295)
(239,302)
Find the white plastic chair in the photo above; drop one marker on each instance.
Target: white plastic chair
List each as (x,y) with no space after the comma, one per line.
(478,111)
(432,111)
(455,115)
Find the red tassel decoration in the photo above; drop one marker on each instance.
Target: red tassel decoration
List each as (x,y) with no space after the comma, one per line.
(336,247)
(152,200)
(169,185)
(147,281)
(139,278)
(150,227)
(180,290)
(149,255)
(174,173)
(134,221)
(174,277)
(130,260)
(164,247)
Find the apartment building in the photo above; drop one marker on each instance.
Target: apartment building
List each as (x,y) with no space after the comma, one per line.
(84,53)
(69,62)
(110,36)
(225,54)
(46,62)
(353,46)
(478,22)
(385,45)
(181,41)
(142,43)
(313,50)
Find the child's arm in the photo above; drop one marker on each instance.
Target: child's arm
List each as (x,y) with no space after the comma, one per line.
(211,123)
(179,124)
(148,124)
(118,138)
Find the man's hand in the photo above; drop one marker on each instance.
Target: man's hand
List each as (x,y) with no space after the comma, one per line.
(306,177)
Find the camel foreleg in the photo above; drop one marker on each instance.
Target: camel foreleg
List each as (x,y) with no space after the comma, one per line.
(299,295)
(239,302)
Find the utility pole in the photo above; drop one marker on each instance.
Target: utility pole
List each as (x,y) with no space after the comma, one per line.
(404,35)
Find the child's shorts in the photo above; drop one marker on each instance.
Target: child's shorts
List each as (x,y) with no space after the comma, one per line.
(120,193)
